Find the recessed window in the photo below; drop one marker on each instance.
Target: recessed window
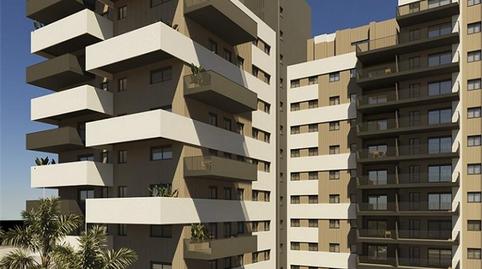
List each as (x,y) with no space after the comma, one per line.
(335,149)
(213,46)
(473,28)
(334,198)
(473,112)
(240,62)
(161,153)
(313,80)
(439,58)
(295,199)
(334,247)
(334,100)
(295,83)
(440,116)
(474,84)
(334,175)
(313,199)
(122,230)
(439,145)
(295,176)
(473,197)
(163,231)
(436,173)
(160,265)
(313,128)
(473,2)
(334,76)
(122,85)
(295,153)
(353,73)
(213,119)
(295,106)
(313,104)
(473,225)
(295,223)
(334,126)
(439,87)
(161,75)
(313,223)
(227,124)
(122,13)
(438,3)
(122,156)
(334,224)
(312,246)
(122,191)
(474,253)
(295,246)
(295,130)
(473,56)
(473,140)
(313,152)
(473,169)
(439,30)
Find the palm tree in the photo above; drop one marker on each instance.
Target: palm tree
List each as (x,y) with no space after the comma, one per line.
(41,237)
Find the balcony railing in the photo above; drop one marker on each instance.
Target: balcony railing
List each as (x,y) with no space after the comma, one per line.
(385,234)
(402,152)
(423,5)
(221,168)
(421,206)
(400,179)
(219,248)
(396,234)
(402,261)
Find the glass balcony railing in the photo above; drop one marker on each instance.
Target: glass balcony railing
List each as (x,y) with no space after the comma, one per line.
(421,6)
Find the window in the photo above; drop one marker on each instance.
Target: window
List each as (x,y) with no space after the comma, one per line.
(439,88)
(334,199)
(122,191)
(295,176)
(255,71)
(473,253)
(240,62)
(378,202)
(89,157)
(313,152)
(295,199)
(473,112)
(439,30)
(353,73)
(122,230)
(312,80)
(295,106)
(266,78)
(473,28)
(439,58)
(295,130)
(439,145)
(334,149)
(414,7)
(377,252)
(334,175)
(122,85)
(295,83)
(122,156)
(473,197)
(213,192)
(122,12)
(313,246)
(228,55)
(440,116)
(334,224)
(295,153)
(439,201)
(312,175)
(473,2)
(440,173)
(474,84)
(161,153)
(313,128)
(334,100)
(86,194)
(160,265)
(473,169)
(378,177)
(161,75)
(334,247)
(473,141)
(213,46)
(295,223)
(473,56)
(227,124)
(295,246)
(163,231)
(438,3)
(313,223)
(313,104)
(213,119)
(334,76)
(228,194)
(439,257)
(313,199)
(155,3)
(473,225)
(334,126)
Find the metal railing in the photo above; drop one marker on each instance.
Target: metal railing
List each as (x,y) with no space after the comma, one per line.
(401,122)
(406,206)
(402,151)
(422,6)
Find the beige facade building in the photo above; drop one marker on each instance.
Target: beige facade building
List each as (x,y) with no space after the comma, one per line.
(384,143)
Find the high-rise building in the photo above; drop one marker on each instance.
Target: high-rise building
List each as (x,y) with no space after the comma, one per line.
(384,143)
(166,117)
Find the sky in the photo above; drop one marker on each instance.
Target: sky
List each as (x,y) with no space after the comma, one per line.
(15,94)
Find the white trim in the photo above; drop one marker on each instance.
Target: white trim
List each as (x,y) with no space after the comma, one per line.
(322,66)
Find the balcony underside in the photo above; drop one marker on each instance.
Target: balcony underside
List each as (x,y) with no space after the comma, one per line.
(387,54)
(409,102)
(223,18)
(450,155)
(220,248)
(58,73)
(55,140)
(409,185)
(47,11)
(219,168)
(408,130)
(412,213)
(71,45)
(431,14)
(390,78)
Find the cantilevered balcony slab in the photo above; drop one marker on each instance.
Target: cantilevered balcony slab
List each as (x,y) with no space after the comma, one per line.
(168,125)
(47,11)
(223,18)
(55,140)
(79,101)
(425,13)
(58,73)
(66,207)
(71,33)
(83,173)
(213,249)
(171,210)
(219,168)
(218,91)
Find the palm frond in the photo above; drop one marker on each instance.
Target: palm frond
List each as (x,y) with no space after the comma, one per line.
(68,223)
(19,237)
(119,259)
(18,259)
(64,256)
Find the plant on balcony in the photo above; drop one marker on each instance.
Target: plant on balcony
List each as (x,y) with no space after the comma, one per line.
(199,232)
(198,74)
(44,161)
(162,191)
(39,243)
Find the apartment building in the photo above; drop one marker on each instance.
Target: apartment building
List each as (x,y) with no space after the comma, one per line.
(164,117)
(396,104)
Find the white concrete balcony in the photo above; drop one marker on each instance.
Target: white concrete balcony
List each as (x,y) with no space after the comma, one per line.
(83,173)
(163,124)
(71,33)
(322,259)
(79,101)
(322,211)
(168,210)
